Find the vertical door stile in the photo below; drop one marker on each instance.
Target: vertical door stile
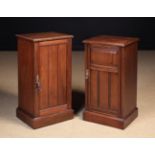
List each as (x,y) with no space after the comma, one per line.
(36,72)
(88,82)
(48,74)
(98,89)
(109,91)
(57,74)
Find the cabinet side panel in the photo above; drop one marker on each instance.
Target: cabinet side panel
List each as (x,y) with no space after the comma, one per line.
(26,91)
(129,79)
(69,74)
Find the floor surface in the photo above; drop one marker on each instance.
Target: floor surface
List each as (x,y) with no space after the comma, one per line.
(143,126)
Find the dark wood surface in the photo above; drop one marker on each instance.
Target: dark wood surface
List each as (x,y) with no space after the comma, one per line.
(111,80)
(111,40)
(44,36)
(44,80)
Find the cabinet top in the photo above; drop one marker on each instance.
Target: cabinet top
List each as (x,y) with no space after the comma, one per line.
(111,40)
(44,36)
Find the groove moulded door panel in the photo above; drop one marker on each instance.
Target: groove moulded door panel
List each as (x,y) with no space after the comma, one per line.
(52,74)
(104,92)
(53,81)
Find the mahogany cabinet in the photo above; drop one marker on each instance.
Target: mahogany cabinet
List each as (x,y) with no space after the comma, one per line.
(44,73)
(111,80)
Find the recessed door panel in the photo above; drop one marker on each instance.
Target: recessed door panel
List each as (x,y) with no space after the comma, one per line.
(104,92)
(52,75)
(53,80)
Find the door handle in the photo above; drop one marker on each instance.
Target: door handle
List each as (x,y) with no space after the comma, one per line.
(37,83)
(87,74)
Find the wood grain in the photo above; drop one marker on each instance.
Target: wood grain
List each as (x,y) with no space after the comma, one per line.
(111,40)
(112,82)
(44,62)
(44,36)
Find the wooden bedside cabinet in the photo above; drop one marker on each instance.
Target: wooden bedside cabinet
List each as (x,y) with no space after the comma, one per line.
(44,75)
(111,80)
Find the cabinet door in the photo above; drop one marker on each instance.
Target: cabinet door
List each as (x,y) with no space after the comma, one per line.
(52,77)
(104,80)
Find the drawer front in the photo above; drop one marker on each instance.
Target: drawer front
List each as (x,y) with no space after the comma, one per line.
(104,55)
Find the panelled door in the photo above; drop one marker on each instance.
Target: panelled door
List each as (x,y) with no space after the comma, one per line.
(104,79)
(52,75)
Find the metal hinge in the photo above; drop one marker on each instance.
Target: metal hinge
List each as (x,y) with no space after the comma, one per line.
(37,83)
(87,74)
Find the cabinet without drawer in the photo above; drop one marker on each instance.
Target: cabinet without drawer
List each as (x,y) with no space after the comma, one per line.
(44,61)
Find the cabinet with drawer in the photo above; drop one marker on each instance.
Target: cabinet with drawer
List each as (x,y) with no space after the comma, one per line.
(44,69)
(111,80)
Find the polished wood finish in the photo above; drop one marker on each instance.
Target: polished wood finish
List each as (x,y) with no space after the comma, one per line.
(45,36)
(111,80)
(44,73)
(111,40)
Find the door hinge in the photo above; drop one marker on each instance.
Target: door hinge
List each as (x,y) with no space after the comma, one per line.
(87,74)
(37,83)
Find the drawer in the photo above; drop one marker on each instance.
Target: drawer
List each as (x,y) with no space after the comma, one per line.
(104,55)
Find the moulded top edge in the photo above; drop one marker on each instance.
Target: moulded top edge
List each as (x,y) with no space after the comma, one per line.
(44,36)
(111,40)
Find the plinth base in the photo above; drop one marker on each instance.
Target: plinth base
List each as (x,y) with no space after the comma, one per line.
(41,121)
(121,123)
